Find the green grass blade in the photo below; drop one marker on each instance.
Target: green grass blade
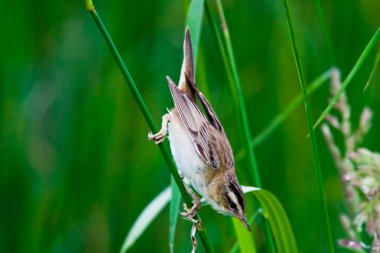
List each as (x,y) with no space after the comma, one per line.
(278,220)
(146,217)
(350,76)
(246,244)
(377,60)
(256,215)
(313,141)
(283,115)
(237,89)
(143,107)
(174,209)
(325,32)
(276,216)
(276,121)
(141,103)
(222,49)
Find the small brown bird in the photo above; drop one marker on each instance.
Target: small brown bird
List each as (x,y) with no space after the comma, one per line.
(200,146)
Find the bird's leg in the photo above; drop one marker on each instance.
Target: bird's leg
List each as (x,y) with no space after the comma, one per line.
(160,136)
(193,239)
(189,214)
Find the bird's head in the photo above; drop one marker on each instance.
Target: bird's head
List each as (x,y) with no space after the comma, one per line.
(231,201)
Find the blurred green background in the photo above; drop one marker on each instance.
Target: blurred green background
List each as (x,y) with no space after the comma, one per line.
(76,168)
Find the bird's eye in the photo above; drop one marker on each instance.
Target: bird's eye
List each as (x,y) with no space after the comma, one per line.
(232,205)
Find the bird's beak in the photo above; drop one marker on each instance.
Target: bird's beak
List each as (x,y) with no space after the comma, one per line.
(245,223)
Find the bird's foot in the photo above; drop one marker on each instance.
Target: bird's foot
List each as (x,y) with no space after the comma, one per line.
(160,136)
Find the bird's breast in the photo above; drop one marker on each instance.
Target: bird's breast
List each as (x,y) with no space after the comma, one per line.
(185,155)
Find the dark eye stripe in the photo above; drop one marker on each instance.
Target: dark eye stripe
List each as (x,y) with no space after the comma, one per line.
(238,192)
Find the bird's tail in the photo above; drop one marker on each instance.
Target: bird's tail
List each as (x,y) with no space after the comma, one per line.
(187,70)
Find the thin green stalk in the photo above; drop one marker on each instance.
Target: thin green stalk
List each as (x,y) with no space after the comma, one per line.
(317,166)
(222,49)
(242,112)
(237,89)
(325,31)
(289,108)
(279,118)
(174,208)
(377,60)
(143,107)
(350,76)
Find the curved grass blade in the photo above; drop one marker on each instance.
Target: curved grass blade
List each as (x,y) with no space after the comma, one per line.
(313,141)
(244,237)
(152,210)
(255,216)
(281,117)
(272,210)
(350,76)
(146,217)
(277,121)
(374,68)
(245,243)
(275,214)
(277,218)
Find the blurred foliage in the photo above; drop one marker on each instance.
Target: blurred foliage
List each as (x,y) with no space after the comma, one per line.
(76,167)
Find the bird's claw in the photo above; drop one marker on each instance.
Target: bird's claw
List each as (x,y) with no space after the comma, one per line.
(157,138)
(189,214)
(160,136)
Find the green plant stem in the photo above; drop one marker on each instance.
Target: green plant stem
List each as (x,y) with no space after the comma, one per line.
(373,71)
(289,108)
(174,208)
(326,34)
(279,118)
(350,76)
(236,89)
(311,129)
(164,148)
(222,49)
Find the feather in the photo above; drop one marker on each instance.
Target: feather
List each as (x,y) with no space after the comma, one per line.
(210,142)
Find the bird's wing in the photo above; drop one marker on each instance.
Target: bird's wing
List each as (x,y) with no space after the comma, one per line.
(211,115)
(206,133)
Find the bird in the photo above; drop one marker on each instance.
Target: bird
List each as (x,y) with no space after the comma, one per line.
(200,146)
